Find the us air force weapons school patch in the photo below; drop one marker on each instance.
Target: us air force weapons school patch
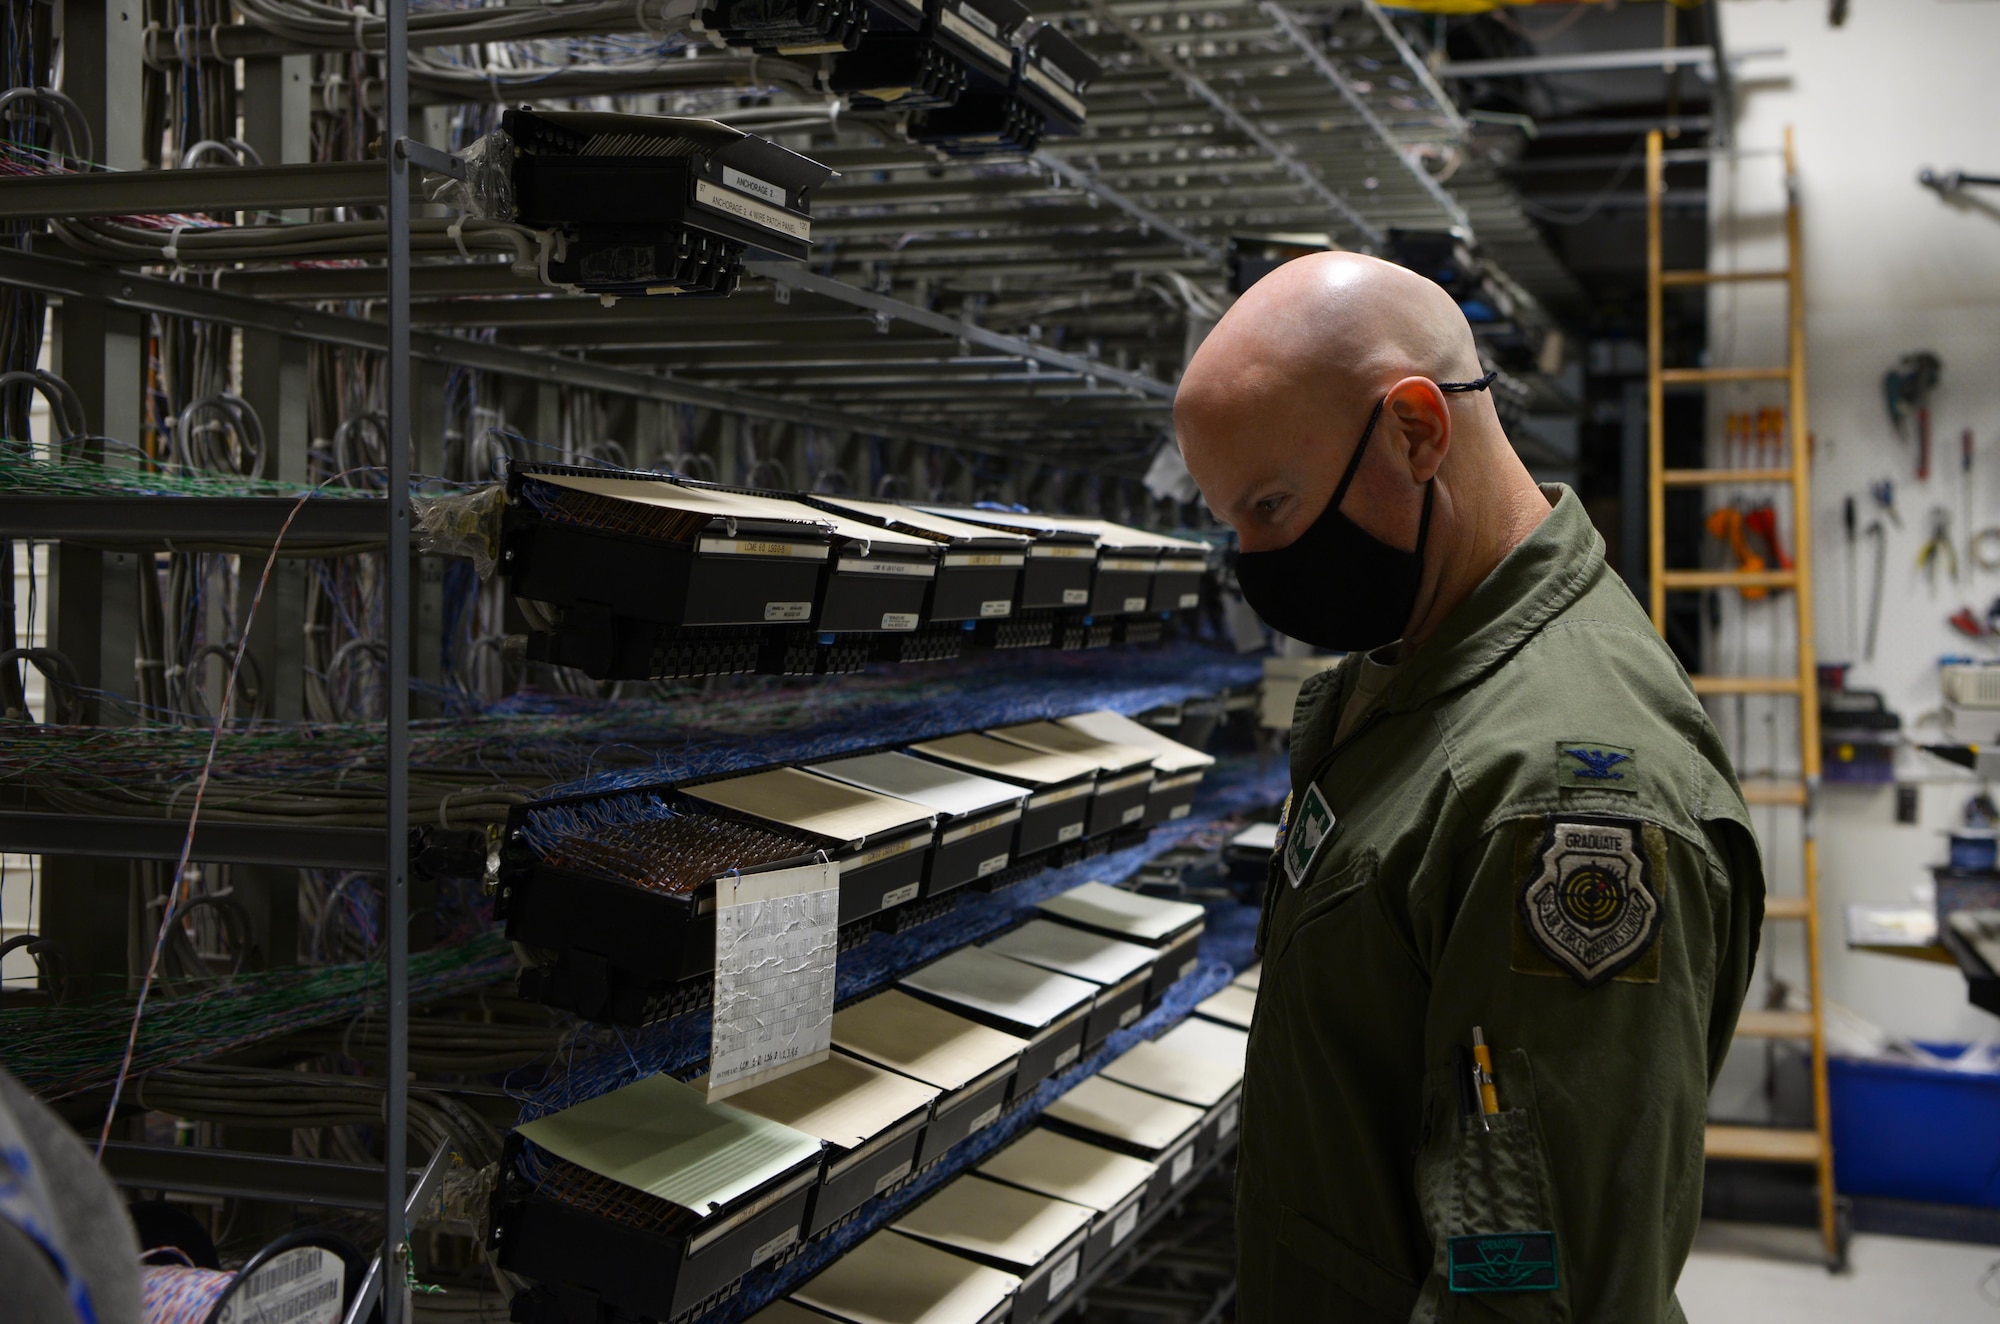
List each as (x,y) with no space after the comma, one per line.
(1591,900)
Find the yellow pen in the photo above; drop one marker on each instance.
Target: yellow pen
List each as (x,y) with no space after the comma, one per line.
(1482,1076)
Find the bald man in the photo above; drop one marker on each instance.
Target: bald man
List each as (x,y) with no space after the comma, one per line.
(1513,838)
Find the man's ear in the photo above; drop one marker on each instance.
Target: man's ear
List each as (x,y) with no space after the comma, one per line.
(1424,421)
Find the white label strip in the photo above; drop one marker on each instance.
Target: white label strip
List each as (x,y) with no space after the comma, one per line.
(754,186)
(787,611)
(1130,1014)
(1126,782)
(1133,815)
(994,559)
(1056,797)
(993,49)
(897,896)
(1121,565)
(1177,781)
(889,851)
(1046,80)
(996,607)
(1067,1056)
(1070,832)
(1182,1165)
(775,938)
(964,830)
(1062,552)
(752,210)
(1135,604)
(899,620)
(1075,597)
(1179,811)
(992,864)
(1187,600)
(1065,1274)
(1125,1224)
(853,565)
(1225,1122)
(754,547)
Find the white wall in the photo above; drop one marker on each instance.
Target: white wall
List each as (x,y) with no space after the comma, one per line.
(1890,267)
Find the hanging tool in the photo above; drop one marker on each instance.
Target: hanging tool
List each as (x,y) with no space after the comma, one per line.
(1906,390)
(1726,524)
(1880,535)
(1847,518)
(1762,522)
(1965,493)
(1938,547)
(1884,494)
(1983,548)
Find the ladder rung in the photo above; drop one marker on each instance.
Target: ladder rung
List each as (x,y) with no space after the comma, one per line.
(1673,376)
(1774,1025)
(1705,477)
(1690,579)
(1786,907)
(1762,1144)
(1774,793)
(1720,277)
(1745,684)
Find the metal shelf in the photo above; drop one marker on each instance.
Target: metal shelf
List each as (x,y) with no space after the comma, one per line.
(189,520)
(108,836)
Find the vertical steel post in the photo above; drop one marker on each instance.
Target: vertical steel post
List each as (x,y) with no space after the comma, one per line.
(396,628)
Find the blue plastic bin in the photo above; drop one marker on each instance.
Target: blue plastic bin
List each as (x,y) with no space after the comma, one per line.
(1916,1133)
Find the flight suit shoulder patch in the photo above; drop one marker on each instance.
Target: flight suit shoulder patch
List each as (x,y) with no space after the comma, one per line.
(1303,837)
(1591,897)
(1589,765)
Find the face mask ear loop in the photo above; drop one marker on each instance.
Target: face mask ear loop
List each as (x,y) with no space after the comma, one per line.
(1360,449)
(1424,523)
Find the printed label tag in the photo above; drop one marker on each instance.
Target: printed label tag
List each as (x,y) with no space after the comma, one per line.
(1190,600)
(1135,604)
(1075,597)
(764,189)
(783,1241)
(984,1120)
(1181,1166)
(1133,815)
(1067,1056)
(1130,1014)
(1225,1121)
(1064,1274)
(996,607)
(787,611)
(1503,1262)
(892,1176)
(776,934)
(899,620)
(897,896)
(1180,811)
(992,864)
(752,210)
(1125,1224)
(1188,967)
(1070,832)
(1307,833)
(300,1286)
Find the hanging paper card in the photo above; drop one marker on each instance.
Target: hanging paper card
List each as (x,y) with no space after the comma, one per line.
(776,935)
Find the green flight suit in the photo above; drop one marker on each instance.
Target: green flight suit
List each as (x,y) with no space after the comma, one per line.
(1535,831)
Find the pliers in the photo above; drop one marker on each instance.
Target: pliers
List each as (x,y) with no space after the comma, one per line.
(1938,547)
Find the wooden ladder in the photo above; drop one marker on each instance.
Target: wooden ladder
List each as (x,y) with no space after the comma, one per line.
(1755,1143)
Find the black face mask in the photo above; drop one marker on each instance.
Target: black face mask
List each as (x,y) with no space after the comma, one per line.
(1337,586)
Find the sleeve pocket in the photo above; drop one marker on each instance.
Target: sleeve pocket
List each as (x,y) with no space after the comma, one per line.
(1487,1204)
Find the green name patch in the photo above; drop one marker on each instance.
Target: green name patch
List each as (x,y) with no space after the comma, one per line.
(1503,1262)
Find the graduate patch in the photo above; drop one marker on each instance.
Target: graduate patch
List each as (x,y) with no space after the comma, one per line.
(1589,903)
(1503,1262)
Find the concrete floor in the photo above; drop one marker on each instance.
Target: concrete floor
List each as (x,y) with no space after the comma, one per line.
(1742,1273)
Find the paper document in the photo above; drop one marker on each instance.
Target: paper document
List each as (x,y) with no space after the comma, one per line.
(1123,1113)
(937,788)
(659,1136)
(1169,755)
(1073,951)
(1019,1228)
(776,936)
(1256,837)
(1232,1006)
(1006,989)
(841,1100)
(1002,758)
(1225,1045)
(1147,918)
(819,805)
(1059,739)
(1176,1075)
(894,1279)
(1069,1169)
(933,1045)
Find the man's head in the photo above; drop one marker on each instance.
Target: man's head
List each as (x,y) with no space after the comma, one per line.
(1275,402)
